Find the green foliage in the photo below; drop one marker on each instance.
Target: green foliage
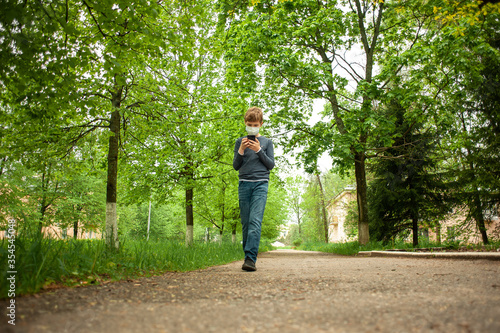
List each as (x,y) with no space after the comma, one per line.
(184,78)
(216,204)
(44,261)
(297,241)
(265,245)
(352,248)
(292,234)
(476,154)
(276,213)
(351,220)
(312,224)
(164,225)
(53,192)
(349,248)
(406,187)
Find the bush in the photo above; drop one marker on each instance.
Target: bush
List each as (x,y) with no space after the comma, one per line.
(297,241)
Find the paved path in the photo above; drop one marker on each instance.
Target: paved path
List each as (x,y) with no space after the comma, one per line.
(291,291)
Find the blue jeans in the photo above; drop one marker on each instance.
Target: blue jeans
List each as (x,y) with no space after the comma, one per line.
(252,197)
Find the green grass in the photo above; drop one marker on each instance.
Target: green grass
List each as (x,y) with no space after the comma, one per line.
(352,248)
(348,248)
(42,262)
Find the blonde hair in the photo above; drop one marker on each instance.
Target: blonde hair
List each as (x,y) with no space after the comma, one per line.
(254,114)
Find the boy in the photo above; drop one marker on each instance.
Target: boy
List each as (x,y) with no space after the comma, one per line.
(254,159)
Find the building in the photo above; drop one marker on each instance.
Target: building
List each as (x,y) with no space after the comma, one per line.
(337,211)
(57,232)
(454,227)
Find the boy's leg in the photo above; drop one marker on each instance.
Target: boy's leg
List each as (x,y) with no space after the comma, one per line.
(256,214)
(244,196)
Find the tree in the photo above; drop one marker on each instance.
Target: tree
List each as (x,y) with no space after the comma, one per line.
(312,226)
(81,204)
(121,62)
(294,199)
(457,61)
(315,200)
(88,52)
(478,148)
(276,212)
(323,207)
(407,187)
(217,204)
(187,131)
(44,191)
(300,44)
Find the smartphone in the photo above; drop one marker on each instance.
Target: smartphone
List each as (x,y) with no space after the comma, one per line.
(251,137)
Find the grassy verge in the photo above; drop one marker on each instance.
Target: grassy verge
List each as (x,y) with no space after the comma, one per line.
(42,262)
(352,248)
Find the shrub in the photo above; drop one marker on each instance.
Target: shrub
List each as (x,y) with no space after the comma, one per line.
(297,242)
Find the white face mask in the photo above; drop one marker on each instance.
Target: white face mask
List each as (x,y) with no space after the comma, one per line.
(252,130)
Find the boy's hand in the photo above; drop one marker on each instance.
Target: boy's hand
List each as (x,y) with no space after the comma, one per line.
(254,145)
(243,146)
(246,143)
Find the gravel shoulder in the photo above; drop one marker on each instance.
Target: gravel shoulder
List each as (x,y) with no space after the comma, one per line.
(292,291)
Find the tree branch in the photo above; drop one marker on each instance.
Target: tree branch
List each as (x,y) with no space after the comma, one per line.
(95,20)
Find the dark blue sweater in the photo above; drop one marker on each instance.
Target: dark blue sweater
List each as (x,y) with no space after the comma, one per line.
(254,166)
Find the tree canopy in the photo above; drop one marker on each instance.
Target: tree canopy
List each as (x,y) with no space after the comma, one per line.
(107,105)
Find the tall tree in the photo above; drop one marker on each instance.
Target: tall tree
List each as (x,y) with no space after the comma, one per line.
(323,207)
(407,187)
(457,60)
(96,60)
(187,130)
(476,127)
(315,199)
(216,204)
(294,199)
(302,45)
(87,50)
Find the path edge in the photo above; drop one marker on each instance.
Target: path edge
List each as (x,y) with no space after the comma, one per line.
(433,255)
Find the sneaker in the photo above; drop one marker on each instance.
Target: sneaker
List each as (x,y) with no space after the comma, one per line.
(249,265)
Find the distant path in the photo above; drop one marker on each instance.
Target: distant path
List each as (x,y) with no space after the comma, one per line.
(292,291)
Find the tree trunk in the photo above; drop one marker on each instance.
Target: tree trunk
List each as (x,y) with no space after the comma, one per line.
(323,208)
(189,216)
(476,209)
(75,230)
(223,213)
(44,204)
(438,233)
(111,232)
(42,215)
(477,213)
(75,224)
(42,212)
(3,160)
(361,196)
(369,46)
(233,233)
(414,220)
(298,219)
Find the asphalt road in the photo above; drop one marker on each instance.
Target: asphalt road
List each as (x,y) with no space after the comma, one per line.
(292,291)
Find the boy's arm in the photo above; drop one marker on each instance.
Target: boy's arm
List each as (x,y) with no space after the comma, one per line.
(267,159)
(237,159)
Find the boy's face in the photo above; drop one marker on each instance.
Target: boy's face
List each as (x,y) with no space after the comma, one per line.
(253,123)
